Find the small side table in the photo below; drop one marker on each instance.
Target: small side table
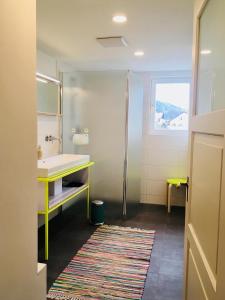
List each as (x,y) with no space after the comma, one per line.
(175,182)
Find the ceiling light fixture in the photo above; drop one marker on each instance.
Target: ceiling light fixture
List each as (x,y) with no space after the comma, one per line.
(139,53)
(47,78)
(119,19)
(206,52)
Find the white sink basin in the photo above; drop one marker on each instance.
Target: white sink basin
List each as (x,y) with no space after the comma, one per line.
(61,162)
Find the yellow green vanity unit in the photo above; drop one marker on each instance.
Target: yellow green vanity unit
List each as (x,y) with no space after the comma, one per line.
(60,179)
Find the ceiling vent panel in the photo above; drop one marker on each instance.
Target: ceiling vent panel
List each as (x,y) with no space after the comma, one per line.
(112,41)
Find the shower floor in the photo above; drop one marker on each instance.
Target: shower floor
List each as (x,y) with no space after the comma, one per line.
(69,231)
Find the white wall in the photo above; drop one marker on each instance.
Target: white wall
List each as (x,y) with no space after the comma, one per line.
(47,125)
(18,133)
(164,156)
(46,64)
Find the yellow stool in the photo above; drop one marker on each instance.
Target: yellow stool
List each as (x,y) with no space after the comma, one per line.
(175,182)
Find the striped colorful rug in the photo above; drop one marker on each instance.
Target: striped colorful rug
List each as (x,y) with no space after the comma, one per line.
(112,265)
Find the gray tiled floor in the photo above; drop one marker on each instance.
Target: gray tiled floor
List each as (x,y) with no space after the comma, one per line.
(70,230)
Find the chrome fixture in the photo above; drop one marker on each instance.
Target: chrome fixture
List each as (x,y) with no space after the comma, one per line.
(51,138)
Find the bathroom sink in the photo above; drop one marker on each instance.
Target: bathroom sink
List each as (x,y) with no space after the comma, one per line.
(54,164)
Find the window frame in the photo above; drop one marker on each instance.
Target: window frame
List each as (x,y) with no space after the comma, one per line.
(166,79)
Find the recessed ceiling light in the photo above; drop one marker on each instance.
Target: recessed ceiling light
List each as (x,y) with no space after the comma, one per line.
(119,19)
(139,53)
(206,52)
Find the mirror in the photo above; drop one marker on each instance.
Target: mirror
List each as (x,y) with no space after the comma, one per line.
(48,95)
(211,65)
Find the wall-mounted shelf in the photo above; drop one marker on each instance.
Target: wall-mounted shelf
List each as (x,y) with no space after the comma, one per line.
(49,203)
(40,113)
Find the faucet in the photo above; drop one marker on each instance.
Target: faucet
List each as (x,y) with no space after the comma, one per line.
(51,138)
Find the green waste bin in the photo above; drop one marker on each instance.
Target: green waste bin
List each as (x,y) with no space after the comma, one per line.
(97,212)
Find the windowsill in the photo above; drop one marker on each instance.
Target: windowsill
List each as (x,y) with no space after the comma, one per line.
(169,132)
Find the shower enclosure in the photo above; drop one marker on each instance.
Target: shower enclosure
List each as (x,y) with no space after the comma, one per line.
(109,105)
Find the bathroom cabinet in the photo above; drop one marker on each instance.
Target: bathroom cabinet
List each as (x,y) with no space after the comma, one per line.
(74,181)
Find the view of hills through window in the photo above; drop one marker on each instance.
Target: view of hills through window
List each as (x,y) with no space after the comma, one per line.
(171,106)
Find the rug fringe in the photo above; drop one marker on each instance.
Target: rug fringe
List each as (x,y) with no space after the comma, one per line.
(53,296)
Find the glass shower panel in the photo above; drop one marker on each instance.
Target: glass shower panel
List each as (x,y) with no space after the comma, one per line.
(211,67)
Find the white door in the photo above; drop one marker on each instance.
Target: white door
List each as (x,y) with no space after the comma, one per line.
(205,212)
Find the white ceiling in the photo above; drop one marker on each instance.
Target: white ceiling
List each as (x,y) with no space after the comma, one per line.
(161,28)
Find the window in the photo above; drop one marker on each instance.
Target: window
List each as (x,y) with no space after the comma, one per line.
(170,105)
